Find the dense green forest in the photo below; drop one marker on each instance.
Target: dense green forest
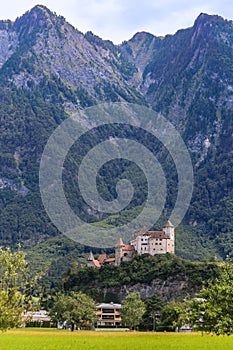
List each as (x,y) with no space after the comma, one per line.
(143,269)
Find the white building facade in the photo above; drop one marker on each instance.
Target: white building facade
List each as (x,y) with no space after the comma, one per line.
(155,242)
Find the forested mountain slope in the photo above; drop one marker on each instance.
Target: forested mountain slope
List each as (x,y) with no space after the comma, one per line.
(48,70)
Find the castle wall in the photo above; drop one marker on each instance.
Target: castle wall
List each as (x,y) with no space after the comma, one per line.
(140,244)
(158,246)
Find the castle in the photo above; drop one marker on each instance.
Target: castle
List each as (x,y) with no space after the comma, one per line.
(144,242)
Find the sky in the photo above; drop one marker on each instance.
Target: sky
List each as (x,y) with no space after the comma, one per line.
(119,20)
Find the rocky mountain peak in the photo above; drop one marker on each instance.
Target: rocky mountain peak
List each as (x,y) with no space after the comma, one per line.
(34,21)
(141,36)
(205,19)
(37,13)
(211,27)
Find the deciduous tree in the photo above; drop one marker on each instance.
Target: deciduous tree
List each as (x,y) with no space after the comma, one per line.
(133,308)
(75,308)
(212,309)
(13,285)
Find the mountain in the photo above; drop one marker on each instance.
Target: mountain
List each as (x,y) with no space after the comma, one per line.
(188,77)
(40,44)
(189,74)
(48,69)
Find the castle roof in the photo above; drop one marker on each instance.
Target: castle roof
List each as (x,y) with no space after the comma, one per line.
(128,247)
(158,234)
(90,257)
(168,224)
(109,260)
(96,263)
(102,258)
(141,231)
(120,243)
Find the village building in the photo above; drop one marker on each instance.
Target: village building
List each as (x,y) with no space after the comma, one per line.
(108,314)
(143,242)
(40,316)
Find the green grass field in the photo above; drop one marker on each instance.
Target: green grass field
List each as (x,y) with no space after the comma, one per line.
(34,339)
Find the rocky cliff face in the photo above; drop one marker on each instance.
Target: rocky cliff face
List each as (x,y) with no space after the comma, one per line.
(188,76)
(173,288)
(8,41)
(51,46)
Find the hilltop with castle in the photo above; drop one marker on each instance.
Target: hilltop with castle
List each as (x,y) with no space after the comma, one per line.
(143,242)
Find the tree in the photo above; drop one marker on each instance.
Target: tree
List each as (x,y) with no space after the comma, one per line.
(13,287)
(76,309)
(151,317)
(170,317)
(212,309)
(133,308)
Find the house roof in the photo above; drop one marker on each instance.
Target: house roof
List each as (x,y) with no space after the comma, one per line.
(108,306)
(141,231)
(102,258)
(109,260)
(40,315)
(158,234)
(96,263)
(128,247)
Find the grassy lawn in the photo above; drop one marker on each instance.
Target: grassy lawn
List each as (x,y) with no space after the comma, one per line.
(34,339)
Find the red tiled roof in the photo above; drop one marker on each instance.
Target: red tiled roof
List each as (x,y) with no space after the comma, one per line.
(96,263)
(101,258)
(141,231)
(128,247)
(158,234)
(109,260)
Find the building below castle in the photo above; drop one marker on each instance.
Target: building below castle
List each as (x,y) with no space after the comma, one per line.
(144,242)
(108,314)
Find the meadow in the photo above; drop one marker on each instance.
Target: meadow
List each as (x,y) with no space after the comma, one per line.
(42,339)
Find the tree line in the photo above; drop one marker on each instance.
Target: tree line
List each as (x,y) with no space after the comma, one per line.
(209,311)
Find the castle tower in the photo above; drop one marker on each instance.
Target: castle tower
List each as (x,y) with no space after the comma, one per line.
(118,251)
(168,229)
(90,259)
